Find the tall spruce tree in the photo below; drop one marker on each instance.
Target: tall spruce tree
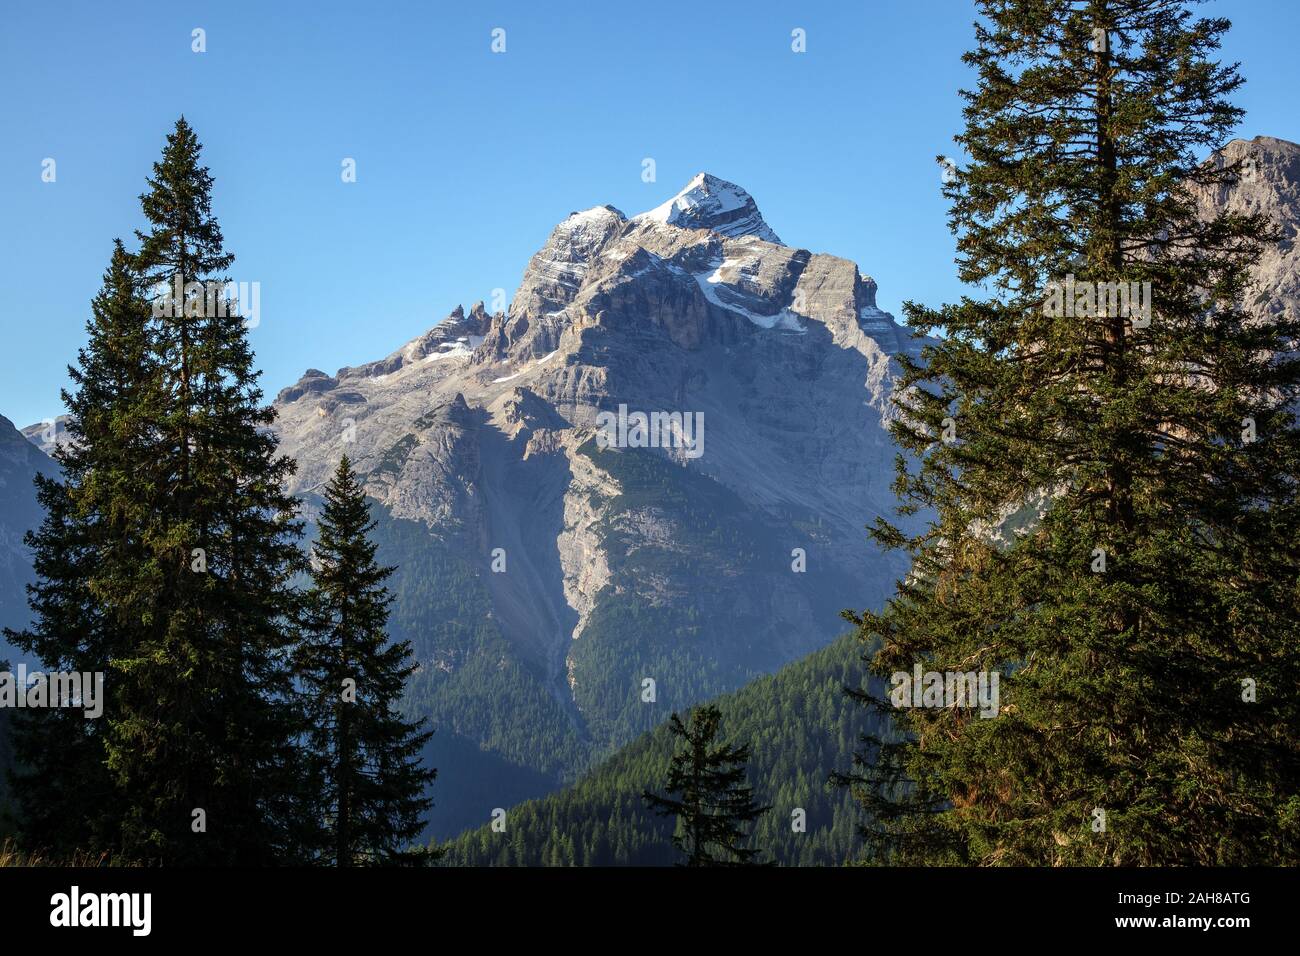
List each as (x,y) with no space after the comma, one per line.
(1140,605)
(714,804)
(368,754)
(201,739)
(85,602)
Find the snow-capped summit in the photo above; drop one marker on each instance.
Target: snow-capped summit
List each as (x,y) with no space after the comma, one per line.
(708,202)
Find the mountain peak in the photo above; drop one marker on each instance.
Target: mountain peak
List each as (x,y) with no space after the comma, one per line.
(708,202)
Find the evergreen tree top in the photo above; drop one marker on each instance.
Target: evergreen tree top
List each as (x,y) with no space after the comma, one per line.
(185,237)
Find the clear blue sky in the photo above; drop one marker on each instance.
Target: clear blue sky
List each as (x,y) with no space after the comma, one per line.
(466,159)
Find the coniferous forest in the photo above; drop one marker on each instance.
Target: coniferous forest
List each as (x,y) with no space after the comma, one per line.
(169,555)
(1014,583)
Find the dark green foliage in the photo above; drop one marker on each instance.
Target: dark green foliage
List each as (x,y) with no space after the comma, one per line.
(166,559)
(708,794)
(626,641)
(87,559)
(799,725)
(368,755)
(1122,689)
(204,715)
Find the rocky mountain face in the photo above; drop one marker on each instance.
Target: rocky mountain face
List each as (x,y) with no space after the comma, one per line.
(20,461)
(618,583)
(1269,185)
(49,434)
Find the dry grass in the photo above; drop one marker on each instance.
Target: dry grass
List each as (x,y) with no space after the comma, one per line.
(11,855)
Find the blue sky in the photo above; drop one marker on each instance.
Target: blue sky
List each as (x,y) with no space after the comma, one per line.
(466,158)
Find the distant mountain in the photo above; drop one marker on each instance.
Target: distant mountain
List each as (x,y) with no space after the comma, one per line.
(698,568)
(1270,184)
(49,434)
(20,462)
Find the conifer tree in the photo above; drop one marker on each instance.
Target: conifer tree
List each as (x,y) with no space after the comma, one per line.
(85,605)
(201,740)
(1116,529)
(368,754)
(713,803)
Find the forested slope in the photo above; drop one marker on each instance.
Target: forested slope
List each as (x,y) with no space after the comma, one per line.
(800,726)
